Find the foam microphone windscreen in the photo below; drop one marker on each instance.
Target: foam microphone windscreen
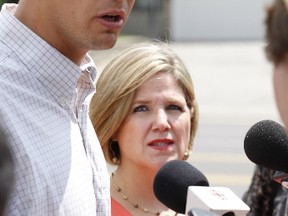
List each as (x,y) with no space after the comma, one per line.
(172,181)
(266,144)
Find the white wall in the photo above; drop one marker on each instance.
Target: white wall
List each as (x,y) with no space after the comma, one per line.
(217,19)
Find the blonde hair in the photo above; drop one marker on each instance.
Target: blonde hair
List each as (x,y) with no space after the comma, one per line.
(117,83)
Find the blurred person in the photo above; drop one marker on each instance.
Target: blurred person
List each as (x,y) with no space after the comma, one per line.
(265,196)
(46,83)
(6,172)
(145,114)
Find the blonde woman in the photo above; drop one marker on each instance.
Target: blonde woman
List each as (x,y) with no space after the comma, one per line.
(145,114)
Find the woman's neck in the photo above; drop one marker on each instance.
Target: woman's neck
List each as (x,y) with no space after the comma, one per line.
(134,191)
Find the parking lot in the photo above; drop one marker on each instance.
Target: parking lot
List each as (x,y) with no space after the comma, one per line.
(233,84)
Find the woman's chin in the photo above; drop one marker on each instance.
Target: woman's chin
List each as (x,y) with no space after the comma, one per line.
(160,161)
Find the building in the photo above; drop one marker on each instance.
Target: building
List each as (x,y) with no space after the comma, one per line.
(211,20)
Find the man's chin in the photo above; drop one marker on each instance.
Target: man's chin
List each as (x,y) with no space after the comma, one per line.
(107,43)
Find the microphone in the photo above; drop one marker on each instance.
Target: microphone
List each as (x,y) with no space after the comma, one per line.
(266,144)
(201,212)
(217,200)
(172,181)
(179,186)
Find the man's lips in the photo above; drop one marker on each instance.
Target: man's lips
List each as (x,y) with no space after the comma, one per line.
(112,18)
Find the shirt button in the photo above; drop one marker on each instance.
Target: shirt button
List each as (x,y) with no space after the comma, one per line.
(63,101)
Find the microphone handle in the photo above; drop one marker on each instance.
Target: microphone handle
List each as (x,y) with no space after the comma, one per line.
(201,212)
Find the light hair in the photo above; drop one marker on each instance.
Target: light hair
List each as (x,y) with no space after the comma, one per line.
(117,83)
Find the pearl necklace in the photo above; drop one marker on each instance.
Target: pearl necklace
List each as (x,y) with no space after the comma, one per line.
(134,204)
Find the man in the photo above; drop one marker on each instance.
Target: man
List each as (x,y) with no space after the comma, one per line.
(46,82)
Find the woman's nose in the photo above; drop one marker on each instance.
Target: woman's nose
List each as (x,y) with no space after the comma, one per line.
(161,121)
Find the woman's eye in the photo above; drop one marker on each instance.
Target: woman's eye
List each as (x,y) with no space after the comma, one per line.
(174,107)
(140,109)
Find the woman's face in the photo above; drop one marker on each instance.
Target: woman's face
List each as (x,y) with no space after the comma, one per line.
(157,128)
(280,78)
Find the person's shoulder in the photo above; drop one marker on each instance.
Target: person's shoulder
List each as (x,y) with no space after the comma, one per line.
(10,62)
(14,77)
(8,58)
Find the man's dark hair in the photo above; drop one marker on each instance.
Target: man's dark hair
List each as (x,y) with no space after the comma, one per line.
(276,31)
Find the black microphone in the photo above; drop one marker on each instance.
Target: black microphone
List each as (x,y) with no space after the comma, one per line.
(172,181)
(266,144)
(179,186)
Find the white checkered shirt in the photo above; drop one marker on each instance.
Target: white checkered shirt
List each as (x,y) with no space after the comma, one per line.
(60,167)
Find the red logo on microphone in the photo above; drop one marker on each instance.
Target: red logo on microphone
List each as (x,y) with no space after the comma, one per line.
(218,194)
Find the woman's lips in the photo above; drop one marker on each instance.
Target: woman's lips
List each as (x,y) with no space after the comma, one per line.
(161,144)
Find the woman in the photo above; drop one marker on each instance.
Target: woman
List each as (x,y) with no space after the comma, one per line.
(265,196)
(145,114)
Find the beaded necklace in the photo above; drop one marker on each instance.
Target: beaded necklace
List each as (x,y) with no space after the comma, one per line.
(134,204)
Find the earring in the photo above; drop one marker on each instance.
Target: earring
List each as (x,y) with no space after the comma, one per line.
(186,155)
(115,159)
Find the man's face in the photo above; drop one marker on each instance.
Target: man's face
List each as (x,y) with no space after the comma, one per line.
(286,3)
(90,24)
(75,26)
(280,78)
